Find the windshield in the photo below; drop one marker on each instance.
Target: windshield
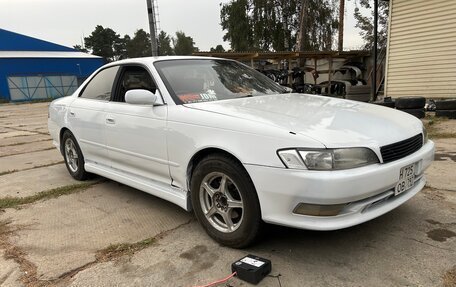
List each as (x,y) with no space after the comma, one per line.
(194,81)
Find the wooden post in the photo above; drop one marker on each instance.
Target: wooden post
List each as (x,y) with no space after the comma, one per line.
(316,71)
(341,25)
(374,71)
(330,67)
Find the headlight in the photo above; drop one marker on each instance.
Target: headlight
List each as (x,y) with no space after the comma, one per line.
(327,159)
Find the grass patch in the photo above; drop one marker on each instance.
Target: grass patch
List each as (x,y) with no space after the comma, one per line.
(13,202)
(23,143)
(33,167)
(117,250)
(16,136)
(46,165)
(449,279)
(431,122)
(4,228)
(442,135)
(24,152)
(8,172)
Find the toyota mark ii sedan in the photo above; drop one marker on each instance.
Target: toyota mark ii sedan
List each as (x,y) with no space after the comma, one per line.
(219,138)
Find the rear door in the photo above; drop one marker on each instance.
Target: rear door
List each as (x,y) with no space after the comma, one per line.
(87,116)
(136,134)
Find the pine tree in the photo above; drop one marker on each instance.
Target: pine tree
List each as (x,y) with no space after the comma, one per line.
(273,25)
(366,23)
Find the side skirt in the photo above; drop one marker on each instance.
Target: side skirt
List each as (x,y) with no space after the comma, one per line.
(167,192)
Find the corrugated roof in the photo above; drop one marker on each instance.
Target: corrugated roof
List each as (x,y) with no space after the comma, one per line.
(284,55)
(11,41)
(44,54)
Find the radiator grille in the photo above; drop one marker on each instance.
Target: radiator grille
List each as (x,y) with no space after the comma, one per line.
(401,149)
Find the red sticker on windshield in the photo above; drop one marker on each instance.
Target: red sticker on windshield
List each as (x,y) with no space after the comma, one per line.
(190,98)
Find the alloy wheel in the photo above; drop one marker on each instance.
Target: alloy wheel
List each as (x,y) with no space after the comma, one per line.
(71,155)
(221,202)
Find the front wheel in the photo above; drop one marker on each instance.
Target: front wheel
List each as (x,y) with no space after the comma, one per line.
(225,201)
(74,160)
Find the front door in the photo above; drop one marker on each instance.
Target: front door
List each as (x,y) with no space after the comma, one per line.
(136,139)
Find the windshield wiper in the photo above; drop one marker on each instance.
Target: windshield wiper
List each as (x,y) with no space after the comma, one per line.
(246,96)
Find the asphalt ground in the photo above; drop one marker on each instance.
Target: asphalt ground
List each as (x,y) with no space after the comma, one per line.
(55,231)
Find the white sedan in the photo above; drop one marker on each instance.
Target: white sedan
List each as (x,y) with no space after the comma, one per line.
(216,137)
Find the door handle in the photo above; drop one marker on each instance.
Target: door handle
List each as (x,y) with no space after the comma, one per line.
(110,121)
(72,113)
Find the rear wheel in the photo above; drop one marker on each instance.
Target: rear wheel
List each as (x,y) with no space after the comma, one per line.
(74,160)
(386,104)
(451,114)
(446,104)
(419,113)
(407,103)
(225,201)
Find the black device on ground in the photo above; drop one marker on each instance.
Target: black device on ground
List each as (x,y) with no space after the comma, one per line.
(251,268)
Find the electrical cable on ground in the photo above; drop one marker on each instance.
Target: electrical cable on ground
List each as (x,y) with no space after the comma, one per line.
(219,281)
(278,278)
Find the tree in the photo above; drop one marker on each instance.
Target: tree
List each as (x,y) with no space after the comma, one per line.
(235,20)
(103,42)
(366,23)
(275,24)
(321,24)
(140,45)
(218,49)
(183,45)
(80,48)
(120,48)
(164,44)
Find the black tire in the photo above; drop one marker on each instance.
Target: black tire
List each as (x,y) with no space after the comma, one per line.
(365,98)
(79,172)
(248,227)
(419,113)
(386,104)
(451,114)
(410,103)
(446,104)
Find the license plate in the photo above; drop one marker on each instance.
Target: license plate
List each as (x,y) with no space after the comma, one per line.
(406,179)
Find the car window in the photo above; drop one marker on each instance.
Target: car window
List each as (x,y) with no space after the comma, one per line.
(133,77)
(193,81)
(100,87)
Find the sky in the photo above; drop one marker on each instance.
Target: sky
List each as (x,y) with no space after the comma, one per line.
(66,22)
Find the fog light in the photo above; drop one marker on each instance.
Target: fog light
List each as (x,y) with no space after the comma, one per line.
(318,210)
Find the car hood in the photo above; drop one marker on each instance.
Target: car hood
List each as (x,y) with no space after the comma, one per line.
(333,122)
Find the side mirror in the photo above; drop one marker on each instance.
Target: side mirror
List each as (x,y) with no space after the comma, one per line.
(140,97)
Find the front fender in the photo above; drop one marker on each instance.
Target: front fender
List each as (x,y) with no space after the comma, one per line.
(190,131)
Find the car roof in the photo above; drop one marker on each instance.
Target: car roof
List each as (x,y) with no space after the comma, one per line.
(149,60)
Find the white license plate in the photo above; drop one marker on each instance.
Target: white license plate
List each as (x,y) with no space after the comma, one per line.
(406,179)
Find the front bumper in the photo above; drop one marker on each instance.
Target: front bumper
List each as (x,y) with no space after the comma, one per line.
(367,191)
(54,132)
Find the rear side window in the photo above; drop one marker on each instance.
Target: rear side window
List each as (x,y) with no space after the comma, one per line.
(100,87)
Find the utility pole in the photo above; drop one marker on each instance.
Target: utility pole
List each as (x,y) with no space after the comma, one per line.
(374,71)
(341,25)
(302,33)
(152,26)
(302,26)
